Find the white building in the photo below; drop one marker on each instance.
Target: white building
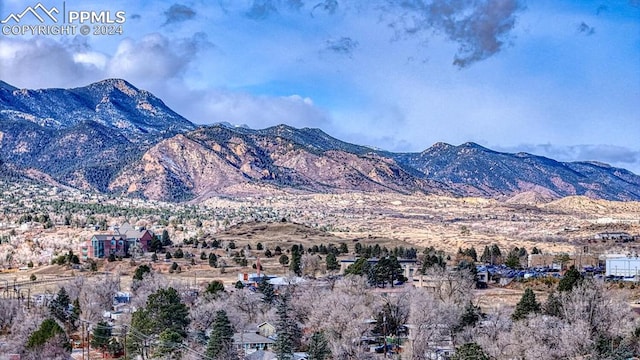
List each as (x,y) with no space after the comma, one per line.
(623,266)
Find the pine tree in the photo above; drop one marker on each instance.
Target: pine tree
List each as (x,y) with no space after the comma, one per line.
(268,294)
(470,351)
(526,305)
(221,340)
(59,307)
(469,317)
(553,305)
(213,260)
(166,241)
(318,347)
(332,262)
(48,329)
(287,329)
(101,336)
(571,278)
(296,260)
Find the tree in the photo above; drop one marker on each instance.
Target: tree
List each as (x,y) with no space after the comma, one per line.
(393,317)
(213,260)
(155,245)
(164,239)
(268,253)
(49,330)
(140,271)
(33,277)
(296,260)
(287,329)
(470,316)
(239,285)
(221,339)
(513,261)
(360,267)
(553,305)
(283,260)
(75,314)
(178,254)
(470,351)
(318,347)
(526,305)
(570,279)
(387,270)
(59,306)
(168,255)
(101,336)
(344,249)
(215,288)
(164,311)
(265,287)
(259,246)
(332,262)
(154,257)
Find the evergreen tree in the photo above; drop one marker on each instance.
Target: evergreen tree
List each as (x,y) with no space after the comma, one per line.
(318,347)
(469,317)
(268,253)
(513,261)
(268,294)
(553,305)
(75,314)
(359,267)
(296,260)
(221,340)
(470,351)
(283,260)
(49,329)
(570,279)
(344,249)
(387,270)
(59,307)
(154,257)
(140,271)
(526,305)
(486,255)
(164,311)
(259,246)
(164,239)
(287,329)
(101,336)
(213,260)
(332,262)
(215,288)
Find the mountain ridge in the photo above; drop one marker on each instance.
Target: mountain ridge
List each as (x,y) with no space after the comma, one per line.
(112,137)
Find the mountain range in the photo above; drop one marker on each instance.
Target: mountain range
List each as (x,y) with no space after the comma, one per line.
(112,137)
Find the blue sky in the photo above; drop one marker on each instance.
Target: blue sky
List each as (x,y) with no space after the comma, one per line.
(554,78)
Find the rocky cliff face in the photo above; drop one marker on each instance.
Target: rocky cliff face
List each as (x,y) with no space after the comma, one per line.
(112,137)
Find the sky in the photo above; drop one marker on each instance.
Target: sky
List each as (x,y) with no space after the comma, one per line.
(554,78)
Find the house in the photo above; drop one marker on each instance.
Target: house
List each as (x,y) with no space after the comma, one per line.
(123,241)
(249,342)
(267,330)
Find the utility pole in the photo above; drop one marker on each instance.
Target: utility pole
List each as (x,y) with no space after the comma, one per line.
(384,333)
(82,340)
(124,332)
